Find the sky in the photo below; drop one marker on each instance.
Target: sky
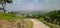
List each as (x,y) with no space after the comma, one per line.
(33,5)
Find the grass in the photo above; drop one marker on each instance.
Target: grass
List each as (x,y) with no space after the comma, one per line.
(48,24)
(9,17)
(18,25)
(29,23)
(12,18)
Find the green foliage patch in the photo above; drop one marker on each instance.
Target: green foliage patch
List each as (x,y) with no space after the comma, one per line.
(8,16)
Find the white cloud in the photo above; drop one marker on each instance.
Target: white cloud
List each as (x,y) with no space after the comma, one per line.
(47,0)
(17,0)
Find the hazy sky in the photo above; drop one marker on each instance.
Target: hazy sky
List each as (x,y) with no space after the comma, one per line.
(32,5)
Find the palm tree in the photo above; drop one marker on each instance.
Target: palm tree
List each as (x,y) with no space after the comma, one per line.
(3,3)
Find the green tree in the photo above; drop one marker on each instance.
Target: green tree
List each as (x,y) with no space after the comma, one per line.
(54,15)
(3,3)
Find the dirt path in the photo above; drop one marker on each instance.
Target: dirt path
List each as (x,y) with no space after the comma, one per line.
(38,24)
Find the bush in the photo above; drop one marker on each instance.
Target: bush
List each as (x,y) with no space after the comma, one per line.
(54,16)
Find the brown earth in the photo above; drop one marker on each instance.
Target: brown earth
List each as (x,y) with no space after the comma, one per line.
(11,23)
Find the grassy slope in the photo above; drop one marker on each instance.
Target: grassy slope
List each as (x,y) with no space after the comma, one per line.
(29,23)
(48,24)
(8,16)
(7,19)
(11,18)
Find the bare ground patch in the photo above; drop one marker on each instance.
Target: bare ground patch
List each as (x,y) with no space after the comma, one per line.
(9,24)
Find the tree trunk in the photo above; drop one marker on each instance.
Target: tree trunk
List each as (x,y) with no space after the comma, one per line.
(3,5)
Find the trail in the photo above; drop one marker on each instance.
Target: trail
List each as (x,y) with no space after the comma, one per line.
(38,24)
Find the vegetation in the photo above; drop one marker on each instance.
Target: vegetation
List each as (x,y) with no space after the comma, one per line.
(48,24)
(7,16)
(29,23)
(11,17)
(31,15)
(3,3)
(52,19)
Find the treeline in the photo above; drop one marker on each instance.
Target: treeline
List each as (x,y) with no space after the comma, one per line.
(31,15)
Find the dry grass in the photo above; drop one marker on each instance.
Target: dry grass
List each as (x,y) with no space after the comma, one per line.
(29,23)
(6,24)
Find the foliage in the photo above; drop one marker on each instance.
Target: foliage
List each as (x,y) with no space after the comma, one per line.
(51,19)
(13,12)
(3,3)
(7,16)
(48,24)
(7,1)
(37,15)
(54,16)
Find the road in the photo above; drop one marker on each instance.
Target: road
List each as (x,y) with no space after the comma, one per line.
(38,24)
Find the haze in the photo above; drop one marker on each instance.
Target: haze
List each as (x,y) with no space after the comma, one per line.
(33,5)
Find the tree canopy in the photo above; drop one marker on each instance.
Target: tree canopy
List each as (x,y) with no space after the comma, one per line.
(54,16)
(5,1)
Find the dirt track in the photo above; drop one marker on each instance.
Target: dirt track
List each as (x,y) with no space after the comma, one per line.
(38,24)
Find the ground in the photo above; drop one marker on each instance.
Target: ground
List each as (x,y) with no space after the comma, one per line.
(31,23)
(38,24)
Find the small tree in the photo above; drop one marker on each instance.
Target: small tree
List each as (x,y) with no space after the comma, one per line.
(3,3)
